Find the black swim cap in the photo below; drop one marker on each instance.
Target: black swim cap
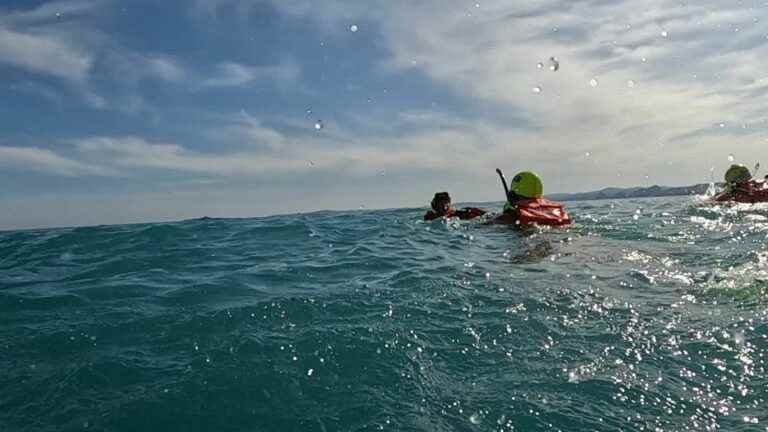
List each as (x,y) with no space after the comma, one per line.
(441,196)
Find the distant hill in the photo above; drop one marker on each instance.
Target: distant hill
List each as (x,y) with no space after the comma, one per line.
(635,192)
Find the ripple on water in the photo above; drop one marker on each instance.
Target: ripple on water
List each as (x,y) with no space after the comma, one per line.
(648,314)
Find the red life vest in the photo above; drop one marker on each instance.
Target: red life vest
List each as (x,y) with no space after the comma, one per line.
(464,214)
(537,211)
(468,213)
(748,192)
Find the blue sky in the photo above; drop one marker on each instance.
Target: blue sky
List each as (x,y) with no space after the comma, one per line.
(116,111)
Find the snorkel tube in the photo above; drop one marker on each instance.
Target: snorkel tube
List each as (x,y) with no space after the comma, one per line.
(504,183)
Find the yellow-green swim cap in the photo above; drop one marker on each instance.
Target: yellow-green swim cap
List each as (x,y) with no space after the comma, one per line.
(527,185)
(737,173)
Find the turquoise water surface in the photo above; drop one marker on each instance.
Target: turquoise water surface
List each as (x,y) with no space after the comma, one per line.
(645,315)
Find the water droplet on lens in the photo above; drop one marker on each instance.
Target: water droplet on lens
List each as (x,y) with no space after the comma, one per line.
(573,377)
(593,82)
(537,89)
(554,64)
(353,28)
(738,337)
(475,418)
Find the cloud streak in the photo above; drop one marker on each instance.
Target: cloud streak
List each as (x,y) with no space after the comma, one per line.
(232,74)
(432,94)
(45,54)
(64,40)
(134,152)
(48,162)
(52,11)
(629,79)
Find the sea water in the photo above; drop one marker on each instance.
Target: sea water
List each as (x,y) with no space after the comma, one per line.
(645,315)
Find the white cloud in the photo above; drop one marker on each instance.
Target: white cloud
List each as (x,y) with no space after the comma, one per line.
(640,115)
(52,11)
(37,89)
(63,40)
(133,152)
(666,73)
(440,148)
(236,75)
(43,39)
(130,67)
(45,54)
(246,130)
(165,68)
(46,161)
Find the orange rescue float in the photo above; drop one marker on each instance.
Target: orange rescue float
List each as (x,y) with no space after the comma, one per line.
(536,211)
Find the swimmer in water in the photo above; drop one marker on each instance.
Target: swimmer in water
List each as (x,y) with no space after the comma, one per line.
(442,208)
